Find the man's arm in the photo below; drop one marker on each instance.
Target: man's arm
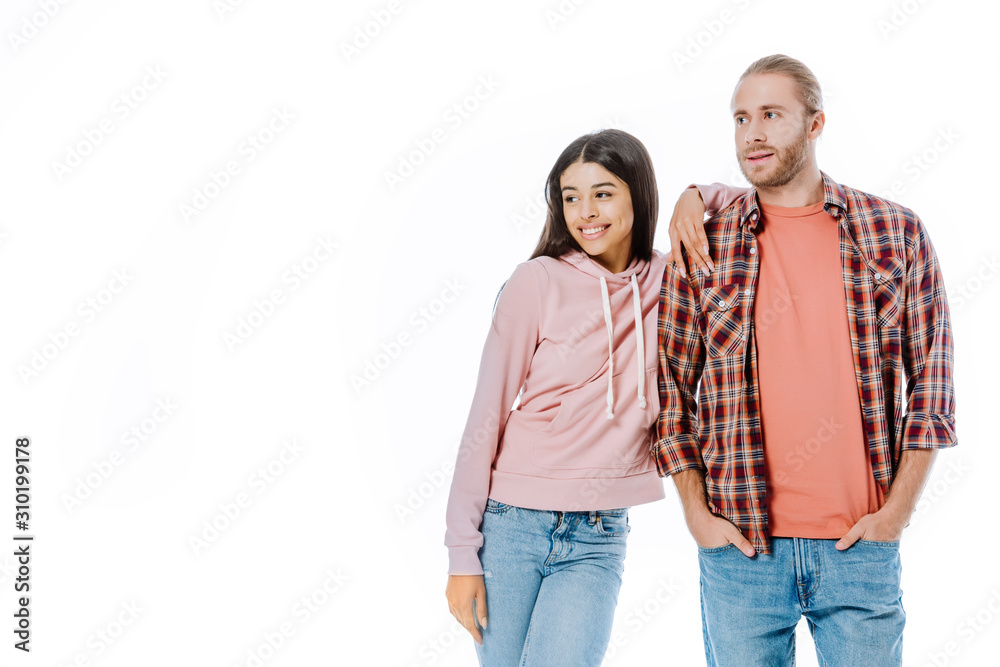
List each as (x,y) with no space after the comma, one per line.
(707,529)
(928,352)
(682,358)
(929,422)
(678,450)
(888,523)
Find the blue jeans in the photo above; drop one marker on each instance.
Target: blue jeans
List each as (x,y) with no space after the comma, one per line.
(851,600)
(552,581)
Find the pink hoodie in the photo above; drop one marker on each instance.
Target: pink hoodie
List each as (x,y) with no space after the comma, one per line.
(575,442)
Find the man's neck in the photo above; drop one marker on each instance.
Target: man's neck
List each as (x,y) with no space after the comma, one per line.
(803,190)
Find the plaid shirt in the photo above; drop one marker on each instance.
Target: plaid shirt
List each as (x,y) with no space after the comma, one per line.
(900,334)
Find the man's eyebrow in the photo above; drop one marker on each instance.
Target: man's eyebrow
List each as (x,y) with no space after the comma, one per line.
(763,107)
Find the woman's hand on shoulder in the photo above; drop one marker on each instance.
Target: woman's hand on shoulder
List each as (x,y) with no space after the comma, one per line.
(687,226)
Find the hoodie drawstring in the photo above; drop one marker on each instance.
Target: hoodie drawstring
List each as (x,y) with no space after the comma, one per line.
(611,337)
(640,347)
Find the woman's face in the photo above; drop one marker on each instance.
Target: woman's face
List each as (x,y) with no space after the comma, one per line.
(597,206)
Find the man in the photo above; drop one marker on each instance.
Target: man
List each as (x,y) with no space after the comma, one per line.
(795,460)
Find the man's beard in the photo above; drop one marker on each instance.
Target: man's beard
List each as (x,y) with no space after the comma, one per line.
(791,160)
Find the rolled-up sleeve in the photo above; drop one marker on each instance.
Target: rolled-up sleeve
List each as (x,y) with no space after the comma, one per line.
(682,358)
(928,353)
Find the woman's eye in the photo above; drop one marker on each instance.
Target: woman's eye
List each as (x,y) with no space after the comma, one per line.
(570,199)
(604,195)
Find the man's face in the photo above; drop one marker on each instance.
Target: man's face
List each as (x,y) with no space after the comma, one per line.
(772,130)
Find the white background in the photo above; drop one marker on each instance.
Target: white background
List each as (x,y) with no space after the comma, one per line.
(354,519)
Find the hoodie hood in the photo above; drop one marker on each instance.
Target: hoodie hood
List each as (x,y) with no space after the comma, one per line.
(586,263)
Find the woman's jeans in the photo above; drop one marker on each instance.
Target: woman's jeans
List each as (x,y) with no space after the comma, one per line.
(851,600)
(552,581)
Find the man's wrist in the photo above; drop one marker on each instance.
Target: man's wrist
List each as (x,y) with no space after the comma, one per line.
(697,512)
(897,515)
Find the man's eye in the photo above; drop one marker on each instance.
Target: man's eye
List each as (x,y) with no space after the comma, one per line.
(771,114)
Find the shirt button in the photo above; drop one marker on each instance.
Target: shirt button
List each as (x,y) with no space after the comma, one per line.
(878,276)
(753,251)
(753,216)
(722,304)
(747,292)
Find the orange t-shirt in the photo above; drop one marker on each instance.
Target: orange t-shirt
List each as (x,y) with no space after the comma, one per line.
(819,472)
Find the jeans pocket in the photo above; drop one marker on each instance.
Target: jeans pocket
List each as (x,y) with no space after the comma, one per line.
(496,507)
(891,544)
(711,551)
(613,523)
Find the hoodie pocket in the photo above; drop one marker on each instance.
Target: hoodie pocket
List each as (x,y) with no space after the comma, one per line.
(723,311)
(581,437)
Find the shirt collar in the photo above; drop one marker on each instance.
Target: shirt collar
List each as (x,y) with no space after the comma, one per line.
(835,203)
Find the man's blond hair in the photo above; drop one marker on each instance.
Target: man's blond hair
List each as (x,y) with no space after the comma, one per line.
(810,93)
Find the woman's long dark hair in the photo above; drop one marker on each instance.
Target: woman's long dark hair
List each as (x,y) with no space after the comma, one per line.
(625,157)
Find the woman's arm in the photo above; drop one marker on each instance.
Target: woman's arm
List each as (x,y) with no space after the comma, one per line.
(687,223)
(510,346)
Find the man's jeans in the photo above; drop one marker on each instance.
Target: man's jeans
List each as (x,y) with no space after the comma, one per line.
(851,600)
(552,582)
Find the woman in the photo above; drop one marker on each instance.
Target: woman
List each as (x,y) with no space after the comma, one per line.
(538,511)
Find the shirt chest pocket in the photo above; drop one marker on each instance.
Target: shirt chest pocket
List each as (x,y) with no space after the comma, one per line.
(887,290)
(723,312)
